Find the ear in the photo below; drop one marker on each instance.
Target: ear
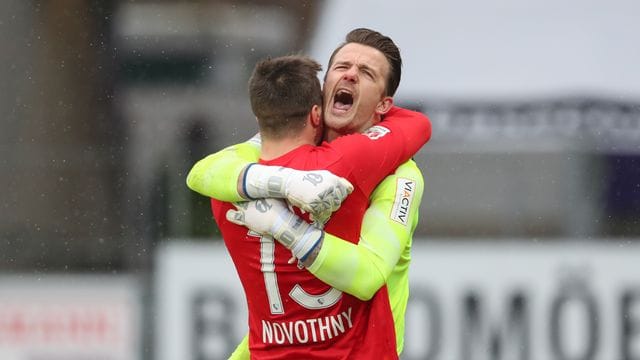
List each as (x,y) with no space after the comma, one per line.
(315,116)
(384,105)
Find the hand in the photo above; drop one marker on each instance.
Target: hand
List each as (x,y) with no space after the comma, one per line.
(318,192)
(273,217)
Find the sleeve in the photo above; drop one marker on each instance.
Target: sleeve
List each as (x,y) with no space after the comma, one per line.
(387,229)
(242,350)
(378,151)
(216,175)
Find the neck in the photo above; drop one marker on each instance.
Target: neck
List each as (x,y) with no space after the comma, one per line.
(332,134)
(274,148)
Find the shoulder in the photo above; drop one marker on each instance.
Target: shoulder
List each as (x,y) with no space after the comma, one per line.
(409,169)
(408,172)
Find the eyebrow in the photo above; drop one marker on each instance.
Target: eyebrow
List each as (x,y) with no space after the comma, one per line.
(360,66)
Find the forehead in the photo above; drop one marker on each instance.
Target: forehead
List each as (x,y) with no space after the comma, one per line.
(363,55)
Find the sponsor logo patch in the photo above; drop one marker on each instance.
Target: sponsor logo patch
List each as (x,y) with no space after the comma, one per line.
(376,132)
(405,188)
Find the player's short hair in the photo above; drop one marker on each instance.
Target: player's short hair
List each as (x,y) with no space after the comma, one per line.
(282,91)
(382,43)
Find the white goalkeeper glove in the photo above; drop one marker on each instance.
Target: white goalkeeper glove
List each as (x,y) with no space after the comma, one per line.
(318,192)
(273,217)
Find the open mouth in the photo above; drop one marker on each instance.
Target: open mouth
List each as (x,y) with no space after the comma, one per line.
(343,100)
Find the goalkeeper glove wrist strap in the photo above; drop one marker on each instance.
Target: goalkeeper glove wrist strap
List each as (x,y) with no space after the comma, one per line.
(312,247)
(263,181)
(244,182)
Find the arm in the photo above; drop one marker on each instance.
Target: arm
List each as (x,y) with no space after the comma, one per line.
(217,175)
(358,269)
(232,175)
(362,269)
(378,151)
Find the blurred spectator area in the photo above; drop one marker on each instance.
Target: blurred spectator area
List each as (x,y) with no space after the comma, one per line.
(105,105)
(535,168)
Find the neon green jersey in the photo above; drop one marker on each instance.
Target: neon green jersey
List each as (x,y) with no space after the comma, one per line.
(216,175)
(382,255)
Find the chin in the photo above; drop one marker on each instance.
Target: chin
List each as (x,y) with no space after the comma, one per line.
(338,122)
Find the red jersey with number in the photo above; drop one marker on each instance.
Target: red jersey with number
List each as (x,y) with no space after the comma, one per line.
(292,314)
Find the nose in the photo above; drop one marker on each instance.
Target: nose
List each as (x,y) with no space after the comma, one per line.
(351,74)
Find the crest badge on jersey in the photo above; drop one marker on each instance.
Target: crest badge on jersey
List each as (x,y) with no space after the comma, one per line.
(405,189)
(376,132)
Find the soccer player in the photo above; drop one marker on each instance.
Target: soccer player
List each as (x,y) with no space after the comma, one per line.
(383,253)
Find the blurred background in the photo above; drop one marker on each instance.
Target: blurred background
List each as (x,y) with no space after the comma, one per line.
(534,164)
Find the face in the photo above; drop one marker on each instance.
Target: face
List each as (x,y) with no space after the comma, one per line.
(354,90)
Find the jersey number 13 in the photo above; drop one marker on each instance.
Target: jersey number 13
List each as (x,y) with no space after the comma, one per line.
(298,294)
